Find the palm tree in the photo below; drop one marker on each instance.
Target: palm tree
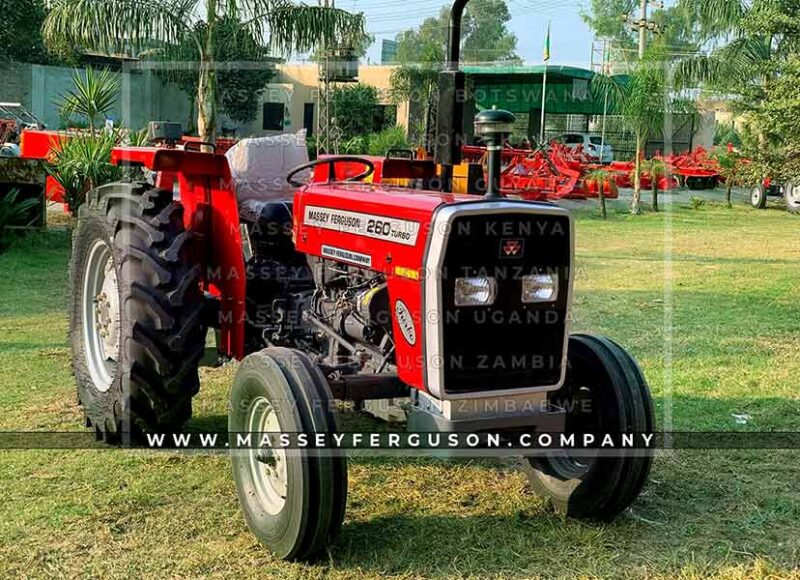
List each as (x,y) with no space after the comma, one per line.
(656,169)
(740,50)
(137,26)
(92,96)
(600,177)
(644,98)
(643,109)
(730,165)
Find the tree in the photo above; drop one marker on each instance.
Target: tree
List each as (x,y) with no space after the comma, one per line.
(421,52)
(754,56)
(20,34)
(644,98)
(239,87)
(486,34)
(12,211)
(92,96)
(679,32)
(355,107)
(137,26)
(643,111)
(774,145)
(730,169)
(420,55)
(599,177)
(656,169)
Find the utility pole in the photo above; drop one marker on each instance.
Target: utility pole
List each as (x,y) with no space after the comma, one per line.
(642,24)
(326,142)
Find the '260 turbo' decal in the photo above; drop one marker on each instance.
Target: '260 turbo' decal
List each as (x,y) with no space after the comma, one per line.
(362,224)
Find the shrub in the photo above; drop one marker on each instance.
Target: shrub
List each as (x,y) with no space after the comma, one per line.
(82,163)
(391,138)
(12,210)
(696,202)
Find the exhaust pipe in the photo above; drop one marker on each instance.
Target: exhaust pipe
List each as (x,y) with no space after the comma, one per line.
(454,37)
(452,92)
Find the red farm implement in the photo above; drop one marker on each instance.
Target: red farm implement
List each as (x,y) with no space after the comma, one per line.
(696,169)
(556,172)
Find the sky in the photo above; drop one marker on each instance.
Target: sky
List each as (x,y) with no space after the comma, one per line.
(570,37)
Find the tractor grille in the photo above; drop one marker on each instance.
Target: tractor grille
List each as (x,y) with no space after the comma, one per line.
(510,344)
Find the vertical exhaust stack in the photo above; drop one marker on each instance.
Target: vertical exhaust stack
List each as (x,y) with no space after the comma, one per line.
(452,93)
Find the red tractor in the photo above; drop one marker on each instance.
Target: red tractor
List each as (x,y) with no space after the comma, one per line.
(348,291)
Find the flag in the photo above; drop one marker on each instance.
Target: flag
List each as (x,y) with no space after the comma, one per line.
(546,56)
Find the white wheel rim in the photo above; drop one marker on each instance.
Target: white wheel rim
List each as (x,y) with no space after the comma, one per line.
(101,316)
(792,194)
(755,195)
(267,465)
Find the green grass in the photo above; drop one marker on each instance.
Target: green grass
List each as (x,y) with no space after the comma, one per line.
(730,290)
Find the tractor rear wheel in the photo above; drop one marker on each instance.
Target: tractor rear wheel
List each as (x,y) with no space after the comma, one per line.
(758,197)
(135,327)
(605,392)
(293,500)
(791,193)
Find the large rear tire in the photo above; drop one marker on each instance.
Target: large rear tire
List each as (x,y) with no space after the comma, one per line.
(791,194)
(135,327)
(606,393)
(293,500)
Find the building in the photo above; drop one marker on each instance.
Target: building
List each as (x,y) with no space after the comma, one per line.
(293,97)
(291,101)
(288,104)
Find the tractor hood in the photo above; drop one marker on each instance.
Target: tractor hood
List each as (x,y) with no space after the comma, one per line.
(414,238)
(382,228)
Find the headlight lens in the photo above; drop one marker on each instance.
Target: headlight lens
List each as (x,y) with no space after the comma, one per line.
(539,288)
(476,291)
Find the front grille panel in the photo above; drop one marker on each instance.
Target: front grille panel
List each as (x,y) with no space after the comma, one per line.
(508,345)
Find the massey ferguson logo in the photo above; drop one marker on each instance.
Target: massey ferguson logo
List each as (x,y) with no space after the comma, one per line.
(512,248)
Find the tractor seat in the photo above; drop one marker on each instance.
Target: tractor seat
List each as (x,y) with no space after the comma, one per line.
(259,166)
(269,224)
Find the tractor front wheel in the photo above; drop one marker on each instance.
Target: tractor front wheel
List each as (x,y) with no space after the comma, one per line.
(758,197)
(605,392)
(293,500)
(135,326)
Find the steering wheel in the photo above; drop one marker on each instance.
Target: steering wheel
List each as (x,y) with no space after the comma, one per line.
(331,162)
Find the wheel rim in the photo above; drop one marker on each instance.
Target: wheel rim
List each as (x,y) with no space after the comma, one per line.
(755,196)
(267,465)
(101,316)
(583,417)
(792,195)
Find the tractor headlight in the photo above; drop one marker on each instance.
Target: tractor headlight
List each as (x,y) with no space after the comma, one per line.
(539,288)
(476,291)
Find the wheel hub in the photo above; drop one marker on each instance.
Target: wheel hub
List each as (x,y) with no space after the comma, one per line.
(107,313)
(582,418)
(101,315)
(267,465)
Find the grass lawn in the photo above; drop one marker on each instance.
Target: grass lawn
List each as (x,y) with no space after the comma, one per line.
(725,281)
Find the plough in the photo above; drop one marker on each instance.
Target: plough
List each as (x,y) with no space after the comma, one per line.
(557,172)
(695,169)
